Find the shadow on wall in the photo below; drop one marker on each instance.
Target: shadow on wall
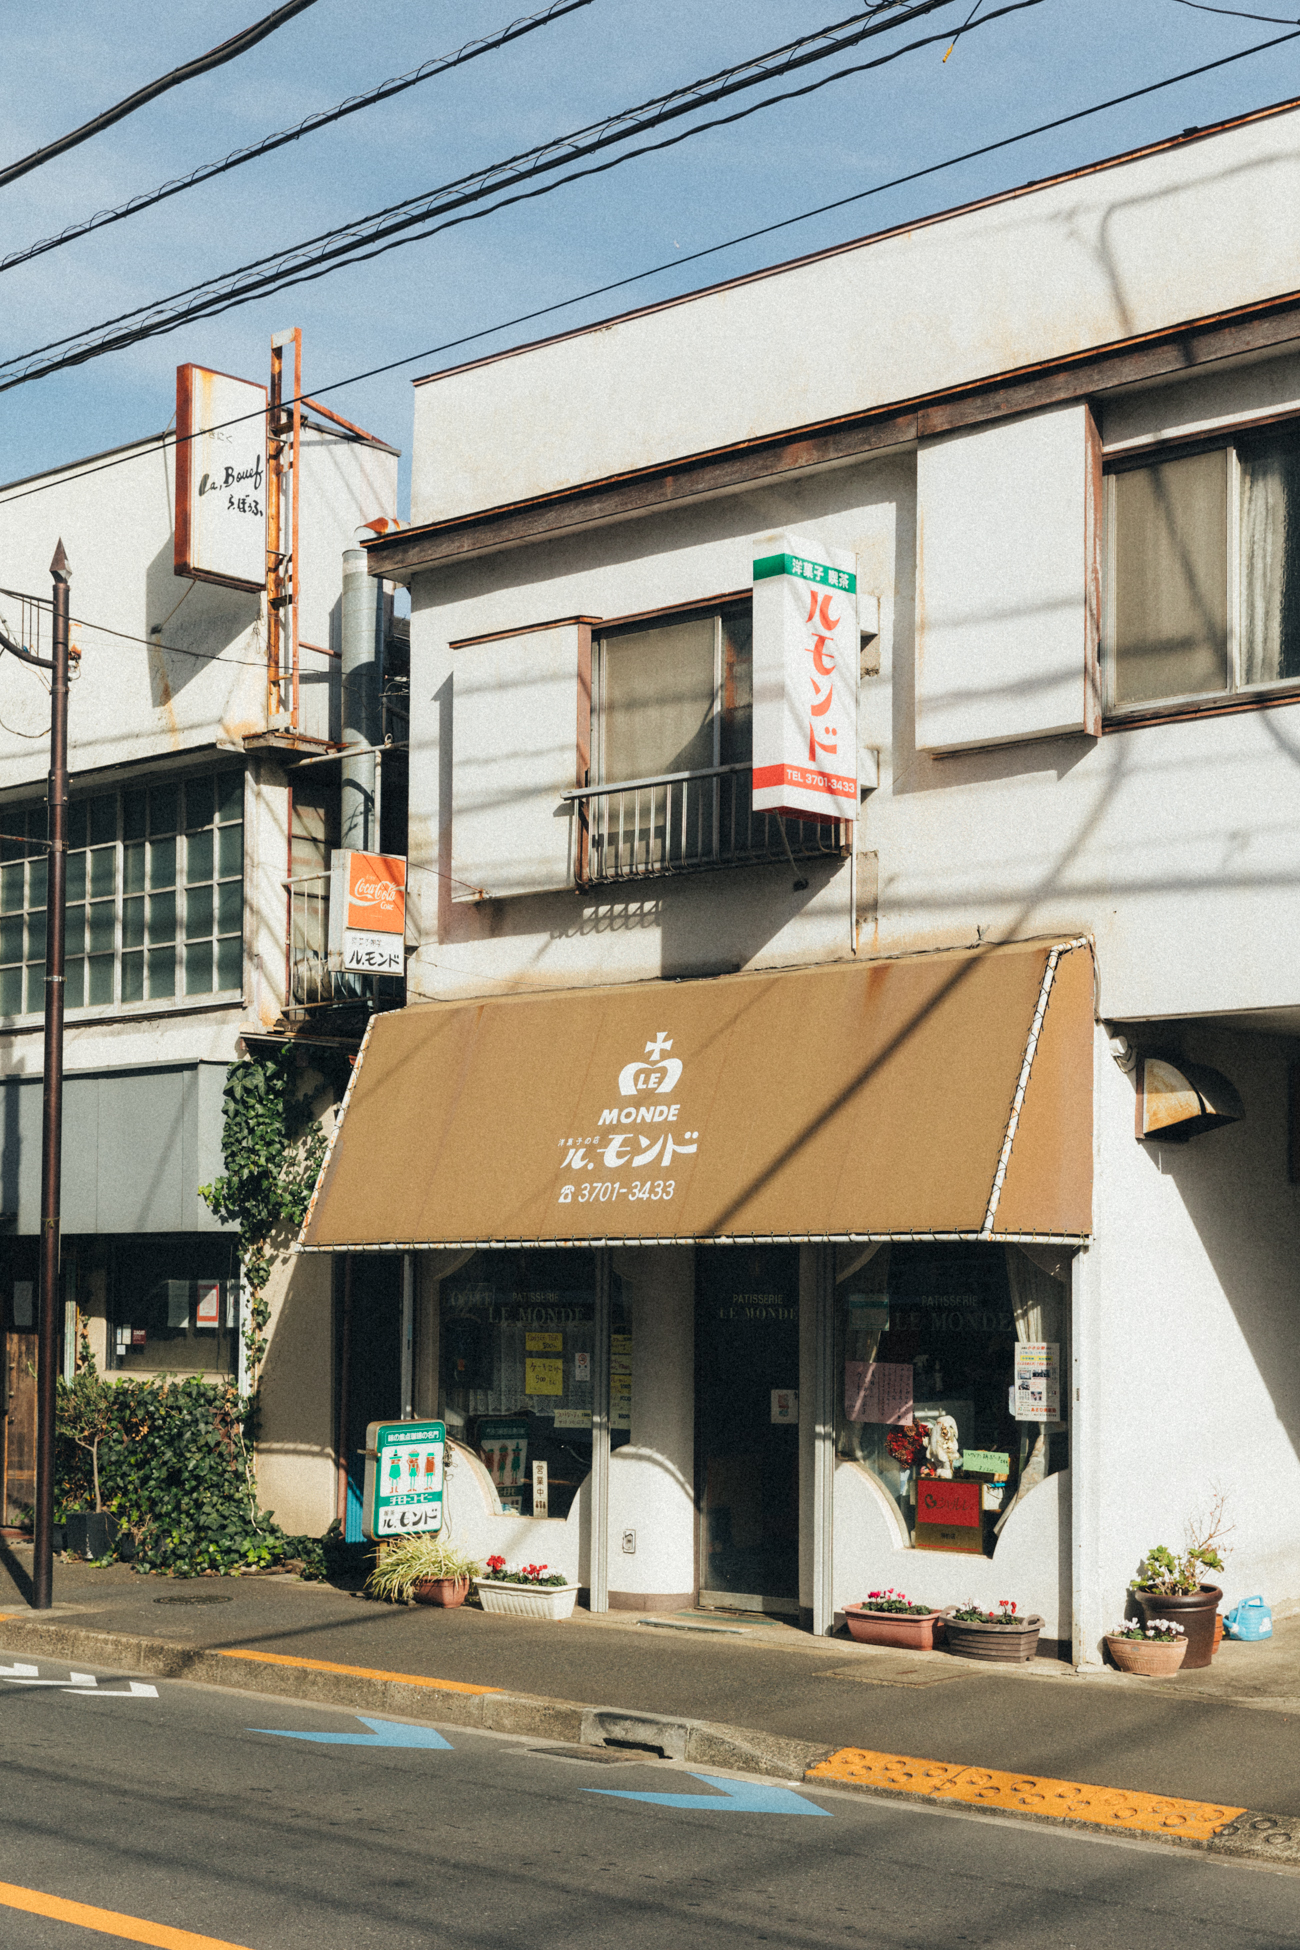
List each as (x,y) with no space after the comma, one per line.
(1234,1188)
(296,1407)
(200,621)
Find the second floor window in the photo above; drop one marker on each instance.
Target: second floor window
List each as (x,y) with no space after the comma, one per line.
(155,904)
(1203,572)
(673,697)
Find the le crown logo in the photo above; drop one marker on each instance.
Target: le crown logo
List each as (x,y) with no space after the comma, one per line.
(660,1074)
(654,1075)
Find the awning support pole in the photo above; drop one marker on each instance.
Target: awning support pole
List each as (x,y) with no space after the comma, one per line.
(823,1413)
(408,1336)
(599,1542)
(345,1363)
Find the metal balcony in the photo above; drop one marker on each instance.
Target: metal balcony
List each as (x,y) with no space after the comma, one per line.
(688,822)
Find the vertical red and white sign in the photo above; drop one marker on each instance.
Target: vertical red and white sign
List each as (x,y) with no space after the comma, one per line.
(805,681)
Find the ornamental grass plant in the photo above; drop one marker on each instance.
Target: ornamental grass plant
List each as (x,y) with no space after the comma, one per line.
(409,1561)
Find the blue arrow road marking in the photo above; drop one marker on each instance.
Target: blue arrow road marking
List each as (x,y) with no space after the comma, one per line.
(386,1733)
(741,1798)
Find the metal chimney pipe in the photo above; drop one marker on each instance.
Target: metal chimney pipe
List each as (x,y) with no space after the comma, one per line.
(363,649)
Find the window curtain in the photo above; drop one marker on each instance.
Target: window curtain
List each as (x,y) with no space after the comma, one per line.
(857,1344)
(1036,1277)
(1268,569)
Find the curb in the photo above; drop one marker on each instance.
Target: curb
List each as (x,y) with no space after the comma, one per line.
(410,1696)
(1244,1834)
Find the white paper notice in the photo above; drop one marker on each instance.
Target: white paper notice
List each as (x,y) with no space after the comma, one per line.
(878,1391)
(1038,1381)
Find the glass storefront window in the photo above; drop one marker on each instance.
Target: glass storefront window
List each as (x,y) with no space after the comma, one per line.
(172,1300)
(950,1361)
(518,1346)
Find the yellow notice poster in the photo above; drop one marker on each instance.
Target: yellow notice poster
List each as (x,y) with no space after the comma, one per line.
(543,1377)
(544,1343)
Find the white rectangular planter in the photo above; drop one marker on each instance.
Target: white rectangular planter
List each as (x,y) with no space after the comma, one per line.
(551,1601)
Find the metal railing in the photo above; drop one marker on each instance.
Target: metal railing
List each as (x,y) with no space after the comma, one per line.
(310,980)
(685,822)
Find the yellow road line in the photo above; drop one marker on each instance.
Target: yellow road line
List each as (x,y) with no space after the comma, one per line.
(110,1922)
(356,1672)
(1103,1807)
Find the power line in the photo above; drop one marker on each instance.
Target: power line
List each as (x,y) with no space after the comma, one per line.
(1278,20)
(203,64)
(347,243)
(527,24)
(692,257)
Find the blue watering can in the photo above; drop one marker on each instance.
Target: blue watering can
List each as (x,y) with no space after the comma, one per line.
(1251,1619)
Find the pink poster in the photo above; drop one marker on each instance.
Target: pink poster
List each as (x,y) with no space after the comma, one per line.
(878,1391)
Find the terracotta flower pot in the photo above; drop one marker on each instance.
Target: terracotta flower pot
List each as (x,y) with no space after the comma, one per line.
(1193,1610)
(441,1591)
(1218,1632)
(914,1631)
(1004,1645)
(1153,1658)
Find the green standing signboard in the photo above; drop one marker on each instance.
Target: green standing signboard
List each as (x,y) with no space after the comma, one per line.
(404,1477)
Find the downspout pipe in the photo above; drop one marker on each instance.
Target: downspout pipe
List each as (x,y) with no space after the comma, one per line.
(363,650)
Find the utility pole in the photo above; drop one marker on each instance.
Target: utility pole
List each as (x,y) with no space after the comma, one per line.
(52,1104)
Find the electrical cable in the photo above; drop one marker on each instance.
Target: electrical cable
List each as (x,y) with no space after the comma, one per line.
(216,57)
(346,244)
(526,24)
(1276,20)
(691,257)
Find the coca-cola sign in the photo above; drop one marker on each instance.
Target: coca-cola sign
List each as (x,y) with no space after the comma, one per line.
(376,886)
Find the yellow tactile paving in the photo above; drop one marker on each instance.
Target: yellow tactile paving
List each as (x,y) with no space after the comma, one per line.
(1033,1794)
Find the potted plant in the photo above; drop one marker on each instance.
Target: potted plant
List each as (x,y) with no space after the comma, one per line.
(430,1569)
(890,1618)
(1155,1650)
(533,1592)
(1174,1585)
(1003,1637)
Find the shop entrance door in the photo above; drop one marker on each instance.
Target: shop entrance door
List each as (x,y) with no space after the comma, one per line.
(746,1426)
(374,1386)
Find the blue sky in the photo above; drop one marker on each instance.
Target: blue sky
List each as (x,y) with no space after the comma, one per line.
(67,59)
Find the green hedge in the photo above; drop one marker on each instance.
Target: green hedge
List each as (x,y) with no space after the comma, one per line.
(174,1463)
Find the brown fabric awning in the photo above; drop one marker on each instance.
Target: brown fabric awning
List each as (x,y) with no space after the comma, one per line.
(940,1094)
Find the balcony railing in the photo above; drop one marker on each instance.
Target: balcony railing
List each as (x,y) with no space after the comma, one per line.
(687,822)
(313,979)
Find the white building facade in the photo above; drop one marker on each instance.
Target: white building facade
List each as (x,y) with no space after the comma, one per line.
(933,1159)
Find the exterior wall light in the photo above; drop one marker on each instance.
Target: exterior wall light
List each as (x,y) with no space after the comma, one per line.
(1179,1100)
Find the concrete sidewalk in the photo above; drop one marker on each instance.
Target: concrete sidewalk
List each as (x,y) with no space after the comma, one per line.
(1230,1734)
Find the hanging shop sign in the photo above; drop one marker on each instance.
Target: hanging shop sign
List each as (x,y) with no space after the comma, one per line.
(404,1477)
(221,533)
(949,1516)
(1037,1393)
(805,681)
(368,912)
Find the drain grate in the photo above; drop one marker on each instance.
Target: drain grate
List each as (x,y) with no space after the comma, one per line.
(204,1598)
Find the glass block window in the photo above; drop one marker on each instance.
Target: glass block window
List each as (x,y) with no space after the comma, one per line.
(155,903)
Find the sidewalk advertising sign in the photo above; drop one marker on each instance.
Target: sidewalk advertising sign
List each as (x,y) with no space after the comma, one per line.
(368,912)
(806,655)
(221,533)
(404,1476)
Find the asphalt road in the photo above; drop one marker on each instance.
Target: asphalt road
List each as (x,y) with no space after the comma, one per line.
(178,1806)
